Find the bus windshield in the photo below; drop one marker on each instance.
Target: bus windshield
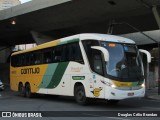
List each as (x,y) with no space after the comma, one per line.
(124,62)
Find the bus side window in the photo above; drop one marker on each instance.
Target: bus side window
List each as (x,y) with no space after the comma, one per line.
(23,62)
(14,61)
(32,62)
(27,59)
(71,52)
(19,61)
(67,52)
(78,54)
(58,54)
(94,56)
(47,56)
(74,53)
(97,62)
(64,54)
(53,55)
(38,58)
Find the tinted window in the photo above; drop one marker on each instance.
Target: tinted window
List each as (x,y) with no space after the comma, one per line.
(27,59)
(57,54)
(13,61)
(94,56)
(96,64)
(47,56)
(62,53)
(74,53)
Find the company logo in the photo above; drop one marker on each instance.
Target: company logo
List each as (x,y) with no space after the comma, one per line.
(21,114)
(30,70)
(6,114)
(76,69)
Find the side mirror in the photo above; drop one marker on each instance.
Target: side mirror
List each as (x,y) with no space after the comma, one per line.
(147,53)
(104,51)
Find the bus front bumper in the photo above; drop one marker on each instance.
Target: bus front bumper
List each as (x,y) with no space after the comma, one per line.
(116,94)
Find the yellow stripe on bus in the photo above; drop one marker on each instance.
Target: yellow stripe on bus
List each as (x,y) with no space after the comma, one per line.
(122,84)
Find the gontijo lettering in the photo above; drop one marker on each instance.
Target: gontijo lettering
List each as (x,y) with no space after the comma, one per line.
(30,70)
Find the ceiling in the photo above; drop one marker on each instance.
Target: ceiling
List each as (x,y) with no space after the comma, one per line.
(67,17)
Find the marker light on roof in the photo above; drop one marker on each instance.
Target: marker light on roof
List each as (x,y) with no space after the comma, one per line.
(112,45)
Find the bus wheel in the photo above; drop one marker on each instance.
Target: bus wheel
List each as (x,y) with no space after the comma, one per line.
(28,91)
(112,102)
(21,90)
(80,96)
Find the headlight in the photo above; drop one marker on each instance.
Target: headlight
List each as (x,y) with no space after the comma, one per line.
(143,85)
(113,86)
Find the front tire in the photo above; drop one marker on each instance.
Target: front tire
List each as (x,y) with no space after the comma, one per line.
(80,95)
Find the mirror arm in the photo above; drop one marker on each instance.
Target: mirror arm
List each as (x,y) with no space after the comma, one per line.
(147,53)
(103,50)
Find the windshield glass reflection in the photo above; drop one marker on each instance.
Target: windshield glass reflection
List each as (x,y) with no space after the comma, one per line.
(124,61)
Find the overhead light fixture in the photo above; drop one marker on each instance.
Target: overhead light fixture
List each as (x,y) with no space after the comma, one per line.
(13,22)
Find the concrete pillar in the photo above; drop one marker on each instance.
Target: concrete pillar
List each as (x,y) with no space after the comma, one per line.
(4,73)
(5,54)
(157,17)
(2,55)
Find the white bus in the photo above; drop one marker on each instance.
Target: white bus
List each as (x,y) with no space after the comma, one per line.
(84,65)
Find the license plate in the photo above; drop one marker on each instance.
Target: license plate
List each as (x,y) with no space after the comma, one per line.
(130,94)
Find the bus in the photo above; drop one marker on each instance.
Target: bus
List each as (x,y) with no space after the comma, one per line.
(85,66)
